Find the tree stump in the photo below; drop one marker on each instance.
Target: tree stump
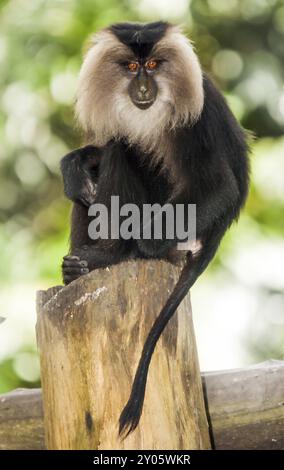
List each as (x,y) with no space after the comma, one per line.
(90,336)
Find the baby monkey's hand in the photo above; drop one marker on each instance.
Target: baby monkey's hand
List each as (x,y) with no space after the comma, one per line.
(80,171)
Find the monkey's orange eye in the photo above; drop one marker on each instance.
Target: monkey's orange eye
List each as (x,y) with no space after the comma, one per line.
(132,66)
(151,64)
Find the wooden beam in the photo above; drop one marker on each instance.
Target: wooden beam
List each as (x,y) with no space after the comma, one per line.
(21,420)
(245,408)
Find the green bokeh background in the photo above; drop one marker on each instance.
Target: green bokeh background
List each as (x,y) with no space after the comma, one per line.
(241,44)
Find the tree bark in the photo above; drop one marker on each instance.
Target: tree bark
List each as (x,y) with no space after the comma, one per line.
(90,336)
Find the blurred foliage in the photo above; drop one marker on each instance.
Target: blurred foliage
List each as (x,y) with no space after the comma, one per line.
(240,43)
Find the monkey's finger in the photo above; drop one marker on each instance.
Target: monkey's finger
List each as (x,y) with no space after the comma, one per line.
(67,279)
(75,263)
(71,276)
(76,270)
(69,257)
(87,200)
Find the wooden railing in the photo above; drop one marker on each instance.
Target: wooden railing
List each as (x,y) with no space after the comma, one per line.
(245,409)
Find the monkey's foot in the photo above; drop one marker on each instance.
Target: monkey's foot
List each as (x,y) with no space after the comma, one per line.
(72,268)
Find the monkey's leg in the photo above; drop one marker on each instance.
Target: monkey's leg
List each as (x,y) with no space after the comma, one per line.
(80,170)
(222,208)
(163,246)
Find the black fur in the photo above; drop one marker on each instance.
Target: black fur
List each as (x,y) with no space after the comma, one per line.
(140,37)
(212,155)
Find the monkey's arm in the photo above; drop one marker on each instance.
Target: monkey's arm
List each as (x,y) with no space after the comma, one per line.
(87,254)
(116,177)
(80,173)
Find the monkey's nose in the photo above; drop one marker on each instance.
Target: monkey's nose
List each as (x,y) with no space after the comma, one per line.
(143,89)
(143,93)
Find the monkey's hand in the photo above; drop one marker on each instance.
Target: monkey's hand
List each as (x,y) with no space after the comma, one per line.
(72,268)
(80,171)
(101,254)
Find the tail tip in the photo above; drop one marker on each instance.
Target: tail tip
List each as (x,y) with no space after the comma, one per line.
(129,419)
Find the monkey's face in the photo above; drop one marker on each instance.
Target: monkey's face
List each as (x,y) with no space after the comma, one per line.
(142,87)
(138,82)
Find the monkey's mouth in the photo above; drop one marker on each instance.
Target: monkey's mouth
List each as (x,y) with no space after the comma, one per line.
(145,104)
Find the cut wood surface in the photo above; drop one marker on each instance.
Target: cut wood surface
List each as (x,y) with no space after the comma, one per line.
(245,408)
(90,337)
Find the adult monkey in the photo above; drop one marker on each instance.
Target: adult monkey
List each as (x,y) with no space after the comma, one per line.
(159,132)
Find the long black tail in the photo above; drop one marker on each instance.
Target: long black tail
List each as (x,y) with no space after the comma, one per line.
(131,413)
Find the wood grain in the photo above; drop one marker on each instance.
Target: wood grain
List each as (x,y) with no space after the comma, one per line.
(90,337)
